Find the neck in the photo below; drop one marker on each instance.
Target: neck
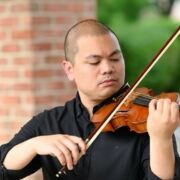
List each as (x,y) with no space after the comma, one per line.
(90,103)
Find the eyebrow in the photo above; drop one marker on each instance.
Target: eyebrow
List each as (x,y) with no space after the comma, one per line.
(117,51)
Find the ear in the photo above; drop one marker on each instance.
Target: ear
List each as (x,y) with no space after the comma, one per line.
(68,68)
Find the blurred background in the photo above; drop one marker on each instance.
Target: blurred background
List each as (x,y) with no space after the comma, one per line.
(31,50)
(143,27)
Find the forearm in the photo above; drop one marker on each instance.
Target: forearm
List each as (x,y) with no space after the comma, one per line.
(20,155)
(162,159)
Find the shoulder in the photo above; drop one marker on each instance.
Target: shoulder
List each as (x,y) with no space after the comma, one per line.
(50,119)
(56,113)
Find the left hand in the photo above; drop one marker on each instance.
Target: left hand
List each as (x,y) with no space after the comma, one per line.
(163,118)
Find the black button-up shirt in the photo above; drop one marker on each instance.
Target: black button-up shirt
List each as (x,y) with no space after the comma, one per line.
(119,155)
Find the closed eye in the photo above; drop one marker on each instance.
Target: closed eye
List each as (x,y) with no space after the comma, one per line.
(93,60)
(115,59)
(94,63)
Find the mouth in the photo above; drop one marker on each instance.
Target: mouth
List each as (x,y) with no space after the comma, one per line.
(108,82)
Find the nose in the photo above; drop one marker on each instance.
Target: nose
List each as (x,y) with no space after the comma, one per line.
(106,67)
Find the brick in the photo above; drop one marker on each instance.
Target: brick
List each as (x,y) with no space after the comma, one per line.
(24,7)
(56,85)
(11,48)
(9,73)
(17,86)
(50,33)
(91,8)
(11,126)
(3,61)
(4,112)
(45,99)
(40,47)
(10,100)
(23,112)
(53,59)
(8,21)
(59,72)
(26,21)
(37,21)
(54,7)
(59,45)
(39,73)
(25,73)
(23,86)
(30,99)
(4,136)
(72,85)
(2,35)
(65,97)
(63,19)
(15,126)
(28,73)
(23,60)
(43,73)
(5,86)
(2,8)
(23,34)
(40,20)
(75,7)
(20,7)
(72,7)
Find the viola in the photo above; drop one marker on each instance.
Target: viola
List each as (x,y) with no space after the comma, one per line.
(133,113)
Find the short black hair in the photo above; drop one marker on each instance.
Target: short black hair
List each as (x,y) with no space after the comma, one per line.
(85,27)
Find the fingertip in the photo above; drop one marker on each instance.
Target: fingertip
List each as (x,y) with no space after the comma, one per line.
(153,101)
(70,166)
(152,104)
(63,163)
(84,152)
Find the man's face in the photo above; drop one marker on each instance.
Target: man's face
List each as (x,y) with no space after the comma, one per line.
(98,69)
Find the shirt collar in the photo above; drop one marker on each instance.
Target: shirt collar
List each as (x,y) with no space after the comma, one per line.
(79,106)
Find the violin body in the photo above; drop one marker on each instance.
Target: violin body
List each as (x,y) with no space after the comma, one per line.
(133,113)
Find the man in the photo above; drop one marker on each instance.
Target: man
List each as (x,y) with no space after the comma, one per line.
(56,137)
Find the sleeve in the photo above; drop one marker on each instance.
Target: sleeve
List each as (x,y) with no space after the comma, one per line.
(149,175)
(27,132)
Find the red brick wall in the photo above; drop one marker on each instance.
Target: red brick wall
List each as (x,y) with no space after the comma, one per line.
(31,48)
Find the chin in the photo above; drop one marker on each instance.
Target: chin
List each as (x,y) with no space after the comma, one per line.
(108,93)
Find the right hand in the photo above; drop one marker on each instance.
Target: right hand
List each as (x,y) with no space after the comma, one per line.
(67,148)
